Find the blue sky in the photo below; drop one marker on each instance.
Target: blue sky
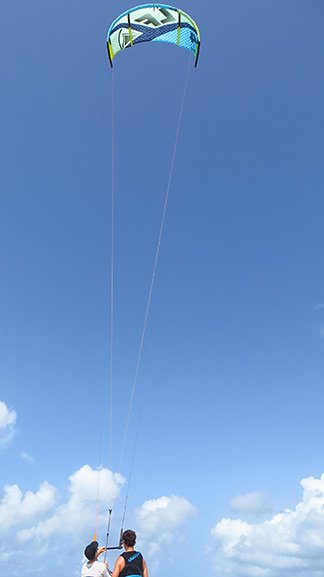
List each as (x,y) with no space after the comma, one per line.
(229,460)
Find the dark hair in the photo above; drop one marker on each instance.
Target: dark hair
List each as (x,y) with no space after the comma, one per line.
(129,538)
(91,550)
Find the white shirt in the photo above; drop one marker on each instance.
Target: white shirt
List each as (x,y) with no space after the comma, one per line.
(94,569)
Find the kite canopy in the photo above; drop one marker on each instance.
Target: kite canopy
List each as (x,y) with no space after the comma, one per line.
(153,23)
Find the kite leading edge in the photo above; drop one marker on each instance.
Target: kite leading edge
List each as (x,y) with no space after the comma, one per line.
(153,23)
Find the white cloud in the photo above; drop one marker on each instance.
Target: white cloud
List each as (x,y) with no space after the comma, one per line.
(77,514)
(17,508)
(289,543)
(159,520)
(8,419)
(256,503)
(43,527)
(7,416)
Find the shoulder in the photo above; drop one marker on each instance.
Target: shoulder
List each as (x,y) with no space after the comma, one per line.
(120,561)
(85,569)
(121,558)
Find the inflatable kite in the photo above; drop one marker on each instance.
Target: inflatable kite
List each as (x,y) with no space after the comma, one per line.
(153,23)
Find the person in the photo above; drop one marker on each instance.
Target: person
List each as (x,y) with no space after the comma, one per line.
(131,563)
(93,567)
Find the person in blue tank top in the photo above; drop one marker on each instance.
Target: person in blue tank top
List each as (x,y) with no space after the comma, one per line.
(131,563)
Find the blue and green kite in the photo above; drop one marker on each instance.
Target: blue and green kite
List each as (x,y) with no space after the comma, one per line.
(153,23)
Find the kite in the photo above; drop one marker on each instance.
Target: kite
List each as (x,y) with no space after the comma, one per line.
(153,23)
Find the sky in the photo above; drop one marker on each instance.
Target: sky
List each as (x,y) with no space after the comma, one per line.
(223,457)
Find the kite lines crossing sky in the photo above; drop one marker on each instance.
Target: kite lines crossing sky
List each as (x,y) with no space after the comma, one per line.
(145,23)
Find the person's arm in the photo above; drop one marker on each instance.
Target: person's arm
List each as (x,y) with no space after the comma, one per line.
(145,571)
(99,551)
(119,566)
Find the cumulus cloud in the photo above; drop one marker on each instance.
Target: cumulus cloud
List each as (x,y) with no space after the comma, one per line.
(8,419)
(72,522)
(255,503)
(159,519)
(76,515)
(42,524)
(290,542)
(17,508)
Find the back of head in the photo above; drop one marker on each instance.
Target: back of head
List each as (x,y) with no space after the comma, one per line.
(91,550)
(129,538)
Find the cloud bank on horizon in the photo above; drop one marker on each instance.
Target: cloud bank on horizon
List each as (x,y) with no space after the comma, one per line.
(36,523)
(287,544)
